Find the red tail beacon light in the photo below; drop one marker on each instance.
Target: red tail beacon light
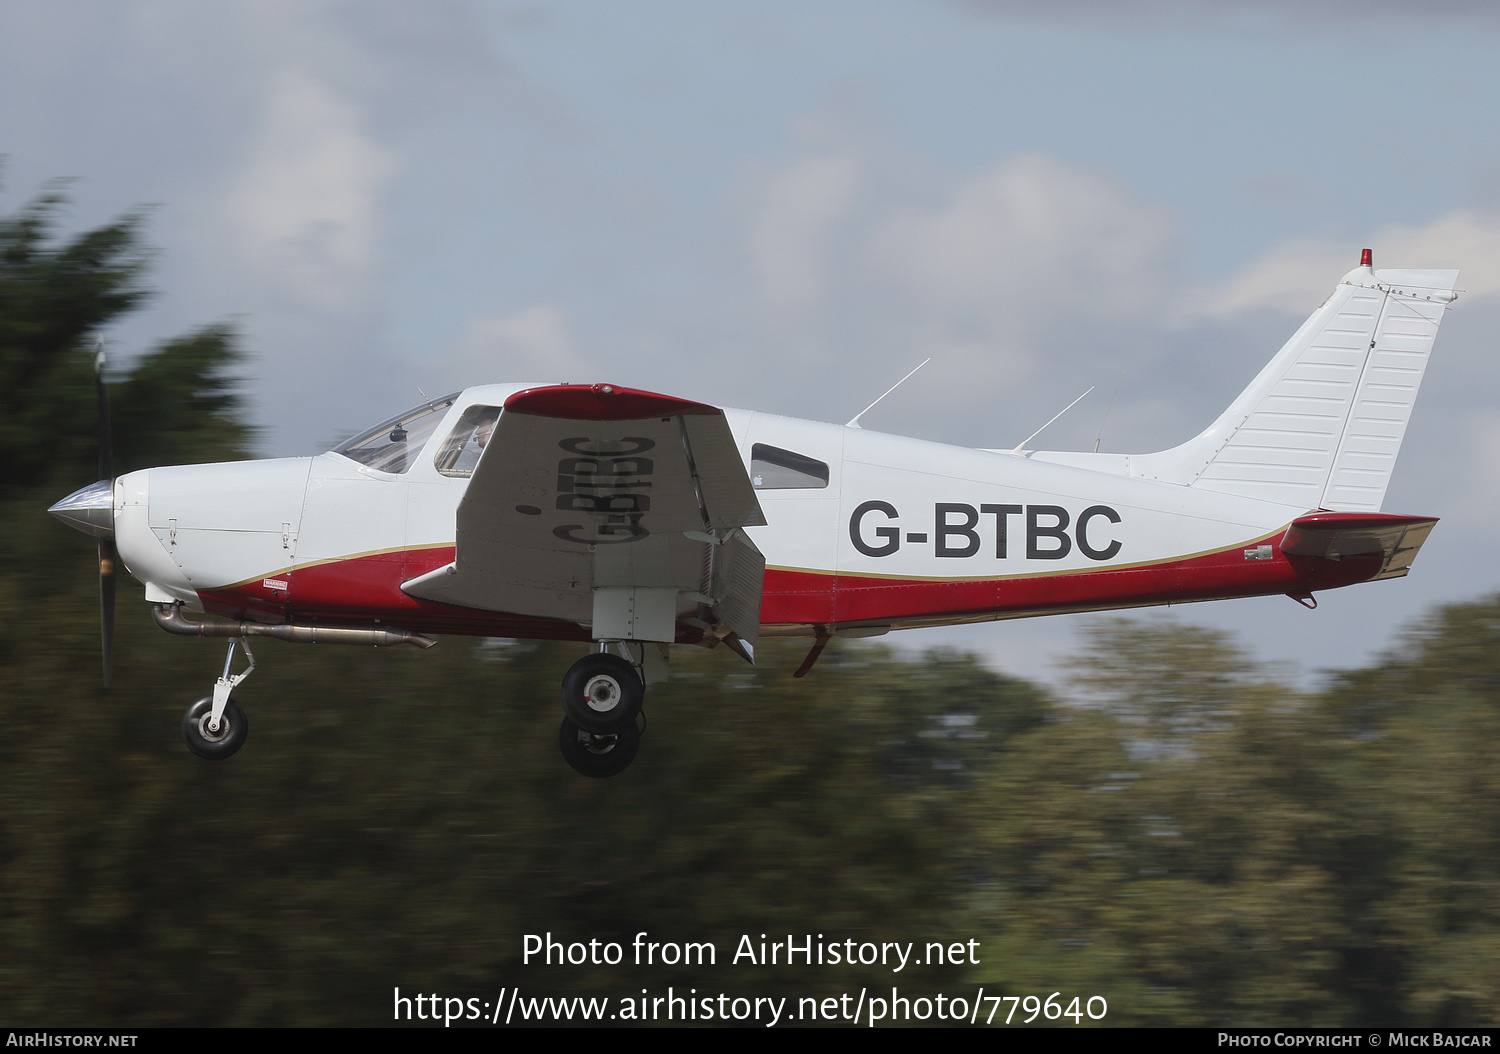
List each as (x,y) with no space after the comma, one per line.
(1367,258)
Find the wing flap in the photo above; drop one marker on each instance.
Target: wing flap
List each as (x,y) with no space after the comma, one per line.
(739,571)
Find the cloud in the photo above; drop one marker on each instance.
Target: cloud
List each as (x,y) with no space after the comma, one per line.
(859,252)
(791,232)
(1009,244)
(1483,445)
(306,205)
(1324,13)
(532,344)
(1017,257)
(1295,276)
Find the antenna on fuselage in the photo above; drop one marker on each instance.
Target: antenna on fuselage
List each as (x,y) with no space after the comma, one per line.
(1022,444)
(854,421)
(1105,420)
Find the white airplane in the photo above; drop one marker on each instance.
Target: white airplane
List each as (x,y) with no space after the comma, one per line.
(638,521)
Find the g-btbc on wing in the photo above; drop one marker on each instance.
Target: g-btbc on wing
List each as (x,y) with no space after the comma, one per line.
(639,521)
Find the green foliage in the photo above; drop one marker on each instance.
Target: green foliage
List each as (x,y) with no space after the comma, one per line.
(1427,722)
(179,404)
(404,818)
(1221,850)
(53,299)
(1171,683)
(1168,844)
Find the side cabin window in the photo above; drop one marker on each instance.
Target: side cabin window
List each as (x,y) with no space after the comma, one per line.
(772,468)
(469,438)
(392,446)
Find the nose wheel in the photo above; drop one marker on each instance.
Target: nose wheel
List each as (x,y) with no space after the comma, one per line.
(208,741)
(215,727)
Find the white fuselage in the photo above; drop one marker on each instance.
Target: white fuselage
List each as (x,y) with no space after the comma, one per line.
(903,532)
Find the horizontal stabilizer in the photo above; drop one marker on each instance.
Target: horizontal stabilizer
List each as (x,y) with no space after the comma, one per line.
(1335,535)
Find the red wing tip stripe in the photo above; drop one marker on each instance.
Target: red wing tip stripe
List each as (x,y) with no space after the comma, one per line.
(1344,521)
(600,402)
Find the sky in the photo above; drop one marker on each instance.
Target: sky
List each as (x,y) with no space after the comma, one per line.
(785,206)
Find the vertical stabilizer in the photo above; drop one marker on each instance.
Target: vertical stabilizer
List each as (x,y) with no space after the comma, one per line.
(1321,425)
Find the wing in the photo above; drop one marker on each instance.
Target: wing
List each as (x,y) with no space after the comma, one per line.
(608,507)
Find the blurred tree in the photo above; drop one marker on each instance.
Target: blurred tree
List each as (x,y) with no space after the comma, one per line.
(1170,683)
(53,299)
(1165,842)
(1427,776)
(177,403)
(62,836)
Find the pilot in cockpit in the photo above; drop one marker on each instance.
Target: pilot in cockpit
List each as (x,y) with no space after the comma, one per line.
(460,454)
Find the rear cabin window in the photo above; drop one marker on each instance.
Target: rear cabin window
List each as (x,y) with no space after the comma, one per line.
(772,468)
(469,438)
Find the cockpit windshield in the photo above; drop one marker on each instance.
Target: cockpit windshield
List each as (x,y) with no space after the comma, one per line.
(393,445)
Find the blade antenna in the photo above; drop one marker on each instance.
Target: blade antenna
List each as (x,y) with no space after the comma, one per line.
(108,556)
(854,421)
(1108,407)
(1022,444)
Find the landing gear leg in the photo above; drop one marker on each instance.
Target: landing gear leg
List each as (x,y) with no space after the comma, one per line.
(215,727)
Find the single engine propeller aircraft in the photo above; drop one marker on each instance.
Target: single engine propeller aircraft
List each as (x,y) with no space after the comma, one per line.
(593,512)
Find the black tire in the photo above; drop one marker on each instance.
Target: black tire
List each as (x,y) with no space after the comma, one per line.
(598,756)
(215,746)
(602,693)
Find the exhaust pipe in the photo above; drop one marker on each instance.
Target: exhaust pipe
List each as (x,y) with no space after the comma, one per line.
(169,617)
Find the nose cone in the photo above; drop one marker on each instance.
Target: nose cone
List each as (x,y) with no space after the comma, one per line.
(90,510)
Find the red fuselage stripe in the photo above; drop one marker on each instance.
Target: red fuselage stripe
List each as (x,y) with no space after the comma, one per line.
(368,588)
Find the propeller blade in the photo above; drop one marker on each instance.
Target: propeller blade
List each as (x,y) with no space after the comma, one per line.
(106,435)
(108,557)
(107,560)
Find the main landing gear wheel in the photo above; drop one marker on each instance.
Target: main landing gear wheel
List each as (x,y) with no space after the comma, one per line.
(598,756)
(602,693)
(209,743)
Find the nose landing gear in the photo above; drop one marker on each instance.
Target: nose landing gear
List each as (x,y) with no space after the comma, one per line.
(215,727)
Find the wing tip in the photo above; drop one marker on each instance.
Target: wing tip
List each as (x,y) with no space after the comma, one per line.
(601,402)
